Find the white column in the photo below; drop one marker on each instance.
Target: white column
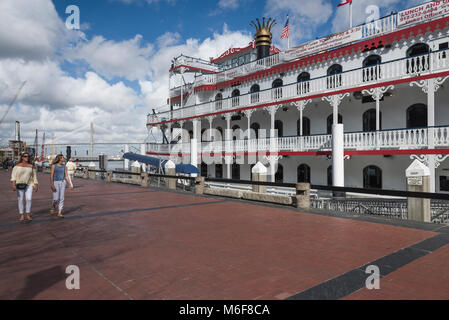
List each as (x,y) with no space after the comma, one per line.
(431,130)
(194,144)
(228,146)
(338,154)
(273,157)
(338,148)
(143,150)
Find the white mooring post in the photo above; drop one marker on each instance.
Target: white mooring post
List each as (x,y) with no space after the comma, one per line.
(338,154)
(170,170)
(259,174)
(418,180)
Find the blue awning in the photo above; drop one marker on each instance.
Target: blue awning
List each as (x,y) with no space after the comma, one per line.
(155,162)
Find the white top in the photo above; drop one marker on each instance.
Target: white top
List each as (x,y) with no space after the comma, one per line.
(417,169)
(71,166)
(24,175)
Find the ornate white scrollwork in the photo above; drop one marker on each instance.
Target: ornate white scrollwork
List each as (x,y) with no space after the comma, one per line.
(421,84)
(422,157)
(301,105)
(210,118)
(439,82)
(336,99)
(273,109)
(378,93)
(424,84)
(439,159)
(347,157)
(249,112)
(273,158)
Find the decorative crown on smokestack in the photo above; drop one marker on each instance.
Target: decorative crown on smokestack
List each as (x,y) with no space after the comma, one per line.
(263,32)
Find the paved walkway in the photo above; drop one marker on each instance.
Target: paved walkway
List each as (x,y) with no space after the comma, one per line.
(136,243)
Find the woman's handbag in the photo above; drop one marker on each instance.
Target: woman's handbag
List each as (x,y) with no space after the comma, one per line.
(21,186)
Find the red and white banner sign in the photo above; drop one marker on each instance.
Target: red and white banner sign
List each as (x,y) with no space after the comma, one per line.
(423,12)
(336,40)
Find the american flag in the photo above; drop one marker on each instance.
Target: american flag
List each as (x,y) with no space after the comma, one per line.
(345,2)
(286,32)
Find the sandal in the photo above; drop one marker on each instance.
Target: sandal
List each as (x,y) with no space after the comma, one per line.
(22,218)
(61,216)
(29,217)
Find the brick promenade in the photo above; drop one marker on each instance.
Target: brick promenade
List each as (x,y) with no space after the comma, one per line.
(136,243)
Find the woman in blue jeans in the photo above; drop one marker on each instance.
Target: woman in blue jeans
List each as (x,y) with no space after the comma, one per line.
(59,179)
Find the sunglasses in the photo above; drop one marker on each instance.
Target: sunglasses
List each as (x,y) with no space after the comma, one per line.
(25,156)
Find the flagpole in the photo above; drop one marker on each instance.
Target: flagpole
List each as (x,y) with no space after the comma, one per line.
(350,15)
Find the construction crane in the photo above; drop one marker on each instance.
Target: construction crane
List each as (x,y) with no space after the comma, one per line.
(36,145)
(12,102)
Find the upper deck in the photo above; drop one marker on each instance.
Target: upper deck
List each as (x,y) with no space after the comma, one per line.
(368,36)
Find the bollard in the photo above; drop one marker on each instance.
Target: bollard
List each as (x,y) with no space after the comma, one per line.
(92,174)
(170,170)
(144,179)
(418,180)
(259,174)
(136,169)
(109,176)
(199,185)
(303,195)
(85,173)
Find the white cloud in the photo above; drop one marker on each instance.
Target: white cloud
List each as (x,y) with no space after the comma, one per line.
(340,21)
(305,17)
(228,4)
(63,103)
(29,29)
(127,59)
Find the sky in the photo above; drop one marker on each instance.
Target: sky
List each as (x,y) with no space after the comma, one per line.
(114,70)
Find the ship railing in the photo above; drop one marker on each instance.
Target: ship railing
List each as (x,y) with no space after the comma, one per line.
(388,71)
(392,139)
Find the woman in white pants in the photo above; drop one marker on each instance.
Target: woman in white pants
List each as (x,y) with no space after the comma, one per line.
(24,181)
(59,179)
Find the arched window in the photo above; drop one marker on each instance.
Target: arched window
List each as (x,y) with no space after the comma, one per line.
(279,176)
(279,126)
(251,172)
(218,101)
(277,83)
(372,178)
(219,171)
(303,85)
(334,76)
(254,88)
(303,76)
(304,173)
(417,116)
(235,171)
(305,126)
(330,122)
(329,176)
(203,137)
(369,120)
(191,134)
(370,71)
(255,127)
(235,98)
(419,61)
(277,86)
(254,93)
(204,170)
